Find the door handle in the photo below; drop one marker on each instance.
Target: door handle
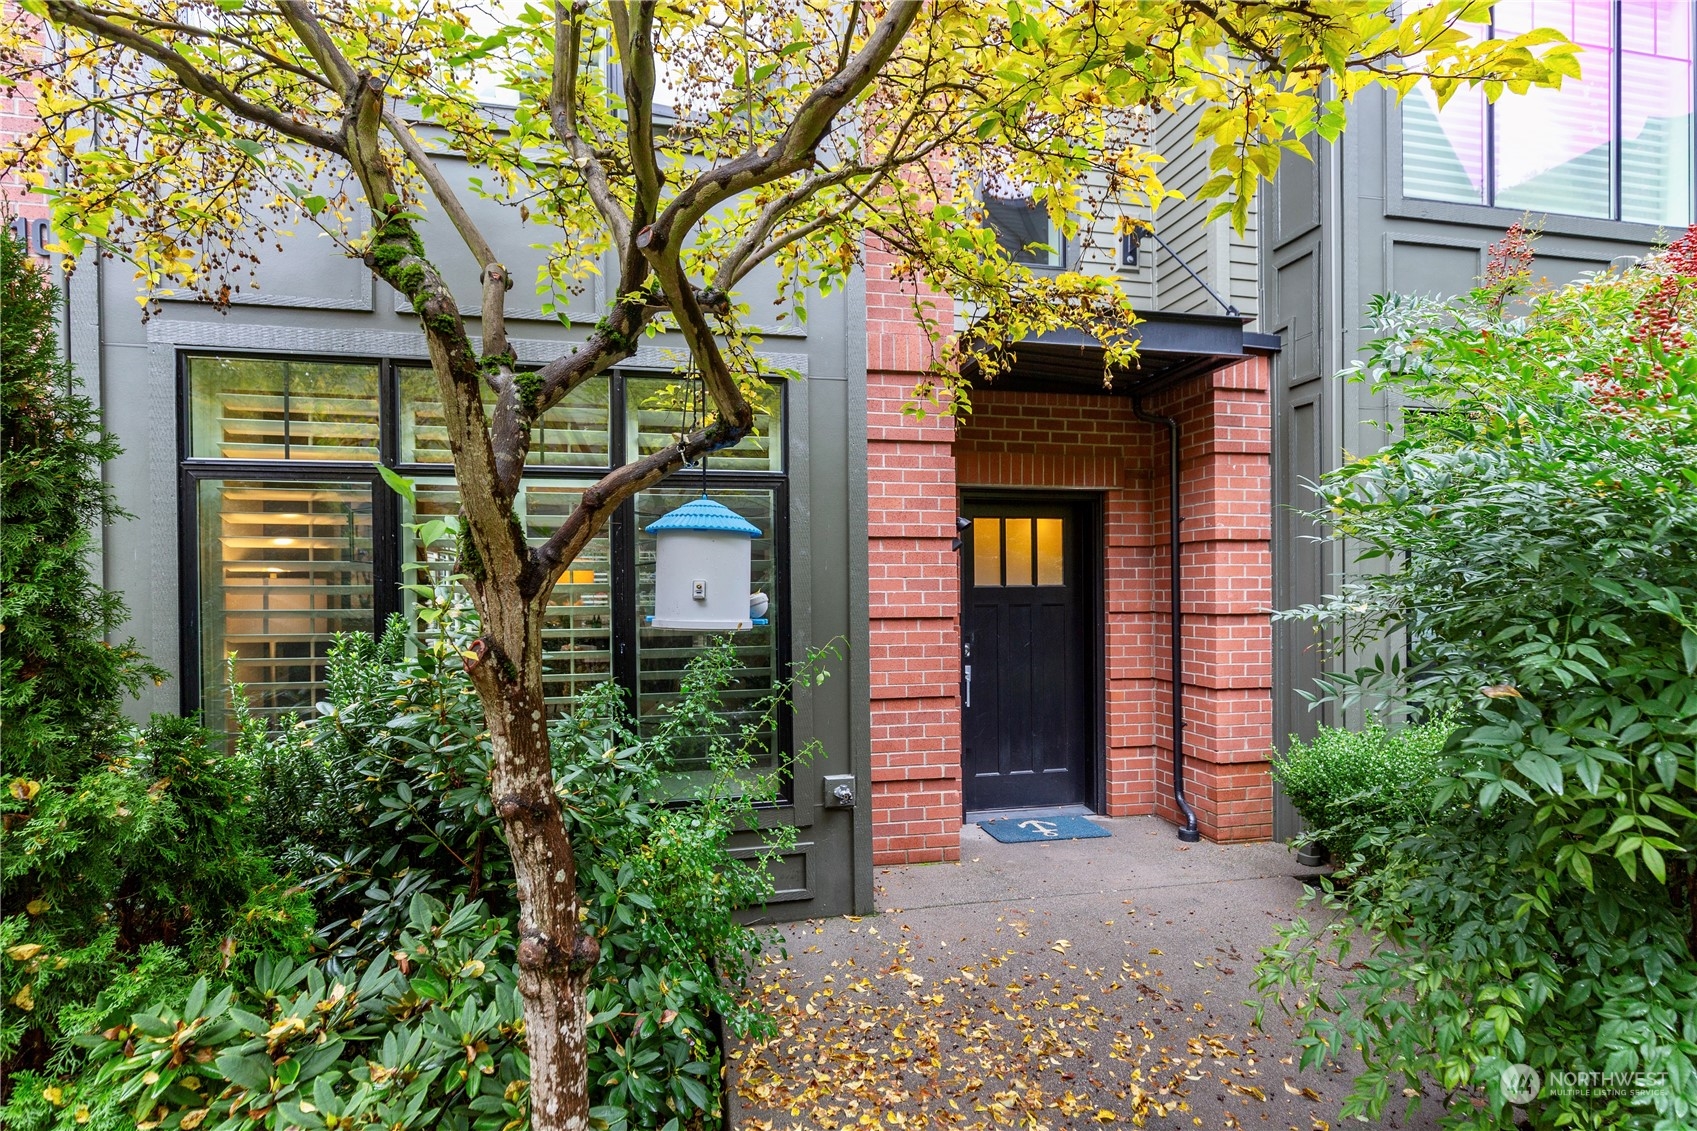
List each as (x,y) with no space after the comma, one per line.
(967,672)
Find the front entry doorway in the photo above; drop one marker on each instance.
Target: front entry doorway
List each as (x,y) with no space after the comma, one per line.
(1029,651)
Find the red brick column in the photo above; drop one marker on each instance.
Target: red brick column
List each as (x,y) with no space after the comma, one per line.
(914,586)
(1225,421)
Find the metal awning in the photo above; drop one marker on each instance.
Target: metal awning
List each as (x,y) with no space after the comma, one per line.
(1170,347)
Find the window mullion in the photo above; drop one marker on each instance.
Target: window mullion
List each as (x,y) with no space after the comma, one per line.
(1617,133)
(1490,136)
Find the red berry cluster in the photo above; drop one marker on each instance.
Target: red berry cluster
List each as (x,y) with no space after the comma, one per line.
(1681,257)
(1509,260)
(1662,316)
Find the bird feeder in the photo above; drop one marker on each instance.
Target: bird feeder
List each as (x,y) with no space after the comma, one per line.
(702,570)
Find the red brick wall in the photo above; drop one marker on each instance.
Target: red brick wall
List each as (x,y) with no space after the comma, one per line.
(17,119)
(1068,441)
(914,583)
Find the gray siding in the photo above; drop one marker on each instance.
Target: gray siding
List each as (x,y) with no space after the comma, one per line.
(313,300)
(1218,254)
(1338,232)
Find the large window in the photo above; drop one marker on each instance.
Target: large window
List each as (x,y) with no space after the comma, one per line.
(290,536)
(1616,144)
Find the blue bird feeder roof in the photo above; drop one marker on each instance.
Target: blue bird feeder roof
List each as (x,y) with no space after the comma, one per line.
(705,514)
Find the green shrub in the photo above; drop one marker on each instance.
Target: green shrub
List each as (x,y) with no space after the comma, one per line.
(129,858)
(1534,538)
(1353,787)
(430,1036)
(382,797)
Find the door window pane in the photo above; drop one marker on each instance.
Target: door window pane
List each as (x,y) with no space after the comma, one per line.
(577,634)
(1017,532)
(986,551)
(662,653)
(284,567)
(1051,557)
(574,433)
(257,408)
(658,408)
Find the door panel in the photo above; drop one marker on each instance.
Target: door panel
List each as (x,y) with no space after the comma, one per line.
(1026,702)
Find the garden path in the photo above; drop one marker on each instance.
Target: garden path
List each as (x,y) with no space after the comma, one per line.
(1084,983)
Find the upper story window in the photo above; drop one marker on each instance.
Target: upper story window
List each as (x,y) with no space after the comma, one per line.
(1022,224)
(1615,144)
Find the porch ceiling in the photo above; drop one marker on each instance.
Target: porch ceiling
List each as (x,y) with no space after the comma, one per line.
(1170,348)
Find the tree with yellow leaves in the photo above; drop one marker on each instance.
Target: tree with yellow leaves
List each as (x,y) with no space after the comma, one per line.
(180,133)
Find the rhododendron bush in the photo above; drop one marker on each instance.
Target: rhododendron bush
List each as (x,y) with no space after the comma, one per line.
(1528,539)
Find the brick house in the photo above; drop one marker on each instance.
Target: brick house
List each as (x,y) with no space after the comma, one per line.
(1032,667)
(1047,450)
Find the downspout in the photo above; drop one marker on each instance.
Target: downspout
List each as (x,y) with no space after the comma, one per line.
(1188,832)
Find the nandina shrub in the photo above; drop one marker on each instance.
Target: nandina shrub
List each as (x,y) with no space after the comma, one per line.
(1532,536)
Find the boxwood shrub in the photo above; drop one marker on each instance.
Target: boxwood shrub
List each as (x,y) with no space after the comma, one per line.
(1353,786)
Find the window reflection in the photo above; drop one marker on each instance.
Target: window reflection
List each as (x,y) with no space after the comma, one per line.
(1016,560)
(259,408)
(986,551)
(663,653)
(1579,150)
(1050,558)
(577,634)
(1021,222)
(574,433)
(1018,552)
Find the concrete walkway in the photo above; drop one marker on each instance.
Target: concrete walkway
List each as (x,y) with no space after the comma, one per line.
(1051,985)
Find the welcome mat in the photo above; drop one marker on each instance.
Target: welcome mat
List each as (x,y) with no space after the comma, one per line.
(1018,830)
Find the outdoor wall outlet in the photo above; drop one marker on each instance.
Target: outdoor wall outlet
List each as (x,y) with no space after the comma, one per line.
(698,590)
(839,791)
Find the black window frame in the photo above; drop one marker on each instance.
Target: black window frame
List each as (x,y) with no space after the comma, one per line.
(387,543)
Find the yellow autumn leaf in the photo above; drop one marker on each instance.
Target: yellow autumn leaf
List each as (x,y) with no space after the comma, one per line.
(24,999)
(193,1119)
(23,952)
(53,1094)
(24,789)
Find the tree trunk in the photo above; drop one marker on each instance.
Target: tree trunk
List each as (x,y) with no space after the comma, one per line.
(554,958)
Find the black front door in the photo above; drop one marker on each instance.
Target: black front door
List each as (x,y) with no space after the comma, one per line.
(1026,670)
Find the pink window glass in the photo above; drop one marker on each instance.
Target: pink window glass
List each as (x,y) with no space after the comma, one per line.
(1553,146)
(1655,112)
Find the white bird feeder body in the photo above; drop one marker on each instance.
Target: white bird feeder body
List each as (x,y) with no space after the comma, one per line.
(702,567)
